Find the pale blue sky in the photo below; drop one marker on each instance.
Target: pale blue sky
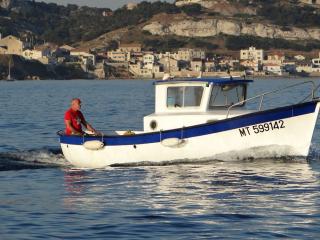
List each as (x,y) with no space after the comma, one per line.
(113,4)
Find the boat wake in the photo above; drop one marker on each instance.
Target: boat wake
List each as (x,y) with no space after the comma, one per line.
(272,153)
(314,153)
(32,159)
(53,158)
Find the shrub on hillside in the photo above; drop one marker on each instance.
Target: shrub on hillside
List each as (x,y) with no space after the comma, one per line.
(192,9)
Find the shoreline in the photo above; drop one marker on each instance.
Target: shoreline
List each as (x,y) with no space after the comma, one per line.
(254,77)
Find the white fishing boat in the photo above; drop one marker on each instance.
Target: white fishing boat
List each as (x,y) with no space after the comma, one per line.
(199,119)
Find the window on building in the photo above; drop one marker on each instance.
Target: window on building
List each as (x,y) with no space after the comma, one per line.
(184,96)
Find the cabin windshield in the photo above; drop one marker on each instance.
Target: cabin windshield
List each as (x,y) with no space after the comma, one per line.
(227,95)
(184,96)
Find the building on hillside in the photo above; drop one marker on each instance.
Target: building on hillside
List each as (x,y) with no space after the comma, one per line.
(275,58)
(316,62)
(299,57)
(187,54)
(11,45)
(252,54)
(41,53)
(169,64)
(197,65)
(37,52)
(307,68)
(149,59)
(209,66)
(304,68)
(272,68)
(85,58)
(228,63)
(129,47)
(146,71)
(3,50)
(118,56)
(136,56)
(250,64)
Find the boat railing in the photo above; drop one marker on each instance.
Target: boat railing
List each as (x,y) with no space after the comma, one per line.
(261,96)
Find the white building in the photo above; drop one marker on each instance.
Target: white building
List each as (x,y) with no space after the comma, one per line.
(86,58)
(299,57)
(187,54)
(37,52)
(149,59)
(146,71)
(308,68)
(273,68)
(32,54)
(316,62)
(252,54)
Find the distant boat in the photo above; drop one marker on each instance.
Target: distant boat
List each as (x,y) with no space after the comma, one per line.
(9,78)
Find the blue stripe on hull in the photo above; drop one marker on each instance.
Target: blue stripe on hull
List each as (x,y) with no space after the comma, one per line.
(202,129)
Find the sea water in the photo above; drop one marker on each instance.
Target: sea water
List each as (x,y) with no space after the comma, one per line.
(43,197)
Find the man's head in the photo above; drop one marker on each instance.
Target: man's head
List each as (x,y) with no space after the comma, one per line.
(76,104)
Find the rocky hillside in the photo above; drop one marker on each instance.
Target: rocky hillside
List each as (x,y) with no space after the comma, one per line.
(289,20)
(211,27)
(212,24)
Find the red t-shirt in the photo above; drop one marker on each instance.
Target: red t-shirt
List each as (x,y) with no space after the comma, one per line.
(76,117)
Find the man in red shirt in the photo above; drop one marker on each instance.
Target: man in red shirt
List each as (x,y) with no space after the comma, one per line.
(74,118)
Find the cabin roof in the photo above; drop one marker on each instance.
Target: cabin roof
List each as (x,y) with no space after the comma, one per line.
(214,81)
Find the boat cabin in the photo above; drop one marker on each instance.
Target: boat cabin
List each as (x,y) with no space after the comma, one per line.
(182,103)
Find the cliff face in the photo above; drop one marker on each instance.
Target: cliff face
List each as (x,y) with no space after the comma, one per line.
(214,27)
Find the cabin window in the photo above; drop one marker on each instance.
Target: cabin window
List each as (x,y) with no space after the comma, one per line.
(226,95)
(184,96)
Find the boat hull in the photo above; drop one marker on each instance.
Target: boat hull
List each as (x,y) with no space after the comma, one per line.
(283,131)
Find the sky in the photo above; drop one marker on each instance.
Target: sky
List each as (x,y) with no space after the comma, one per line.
(113,4)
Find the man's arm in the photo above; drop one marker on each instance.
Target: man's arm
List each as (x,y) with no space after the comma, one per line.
(87,125)
(90,128)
